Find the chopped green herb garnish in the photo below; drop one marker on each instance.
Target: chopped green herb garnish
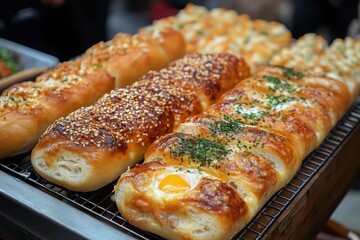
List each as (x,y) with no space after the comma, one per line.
(280,85)
(253,118)
(226,125)
(291,73)
(96,65)
(200,150)
(271,79)
(201,33)
(179,26)
(249,146)
(274,101)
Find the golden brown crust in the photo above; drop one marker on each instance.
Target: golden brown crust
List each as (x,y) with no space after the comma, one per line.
(206,195)
(340,60)
(115,130)
(223,30)
(17,124)
(250,136)
(254,170)
(74,84)
(251,141)
(195,90)
(169,41)
(114,133)
(28,108)
(127,57)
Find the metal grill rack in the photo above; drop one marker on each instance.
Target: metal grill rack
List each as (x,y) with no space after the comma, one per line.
(100,204)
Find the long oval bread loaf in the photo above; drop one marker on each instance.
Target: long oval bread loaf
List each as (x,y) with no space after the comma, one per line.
(127,57)
(93,146)
(28,108)
(208,178)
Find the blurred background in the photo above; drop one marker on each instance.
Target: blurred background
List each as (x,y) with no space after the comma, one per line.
(66,28)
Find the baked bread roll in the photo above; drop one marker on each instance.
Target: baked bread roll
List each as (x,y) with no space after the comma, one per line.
(223,30)
(208,178)
(340,60)
(92,146)
(28,108)
(149,49)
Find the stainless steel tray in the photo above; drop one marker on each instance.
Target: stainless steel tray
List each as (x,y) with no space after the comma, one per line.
(31,61)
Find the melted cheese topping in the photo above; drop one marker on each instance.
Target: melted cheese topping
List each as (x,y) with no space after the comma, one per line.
(219,30)
(340,60)
(27,95)
(21,96)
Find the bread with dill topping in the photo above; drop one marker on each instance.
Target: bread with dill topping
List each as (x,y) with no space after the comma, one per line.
(92,146)
(209,178)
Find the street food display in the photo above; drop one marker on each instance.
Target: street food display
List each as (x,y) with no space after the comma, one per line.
(221,108)
(91,147)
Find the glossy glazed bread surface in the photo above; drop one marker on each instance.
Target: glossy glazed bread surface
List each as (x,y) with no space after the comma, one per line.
(28,108)
(93,146)
(208,178)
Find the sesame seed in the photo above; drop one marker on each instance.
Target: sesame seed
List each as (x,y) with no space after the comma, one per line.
(152,106)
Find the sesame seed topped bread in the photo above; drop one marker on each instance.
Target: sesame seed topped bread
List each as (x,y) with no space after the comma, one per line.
(211,175)
(223,30)
(28,108)
(92,146)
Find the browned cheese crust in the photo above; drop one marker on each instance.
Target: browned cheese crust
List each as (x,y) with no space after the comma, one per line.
(27,109)
(93,146)
(236,154)
(210,200)
(224,30)
(340,59)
